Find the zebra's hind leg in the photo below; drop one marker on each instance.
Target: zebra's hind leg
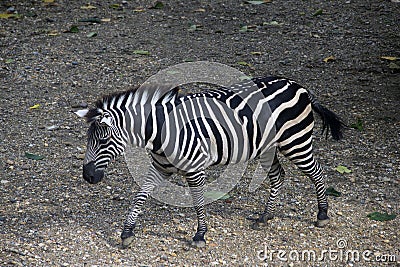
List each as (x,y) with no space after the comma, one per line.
(196,183)
(313,170)
(153,178)
(276,175)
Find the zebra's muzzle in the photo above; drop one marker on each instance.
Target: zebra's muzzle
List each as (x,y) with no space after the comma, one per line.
(92,175)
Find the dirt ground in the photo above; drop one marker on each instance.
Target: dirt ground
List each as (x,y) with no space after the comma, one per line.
(63,55)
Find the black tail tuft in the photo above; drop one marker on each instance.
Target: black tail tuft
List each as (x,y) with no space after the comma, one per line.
(330,121)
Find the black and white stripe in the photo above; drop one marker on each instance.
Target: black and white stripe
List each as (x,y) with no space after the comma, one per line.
(189,133)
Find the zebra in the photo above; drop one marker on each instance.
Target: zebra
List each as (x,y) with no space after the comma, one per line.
(266,112)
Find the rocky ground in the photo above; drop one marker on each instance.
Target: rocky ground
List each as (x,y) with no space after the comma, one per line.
(62,55)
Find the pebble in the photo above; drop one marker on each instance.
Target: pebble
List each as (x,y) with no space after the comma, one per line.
(11,10)
(80,105)
(80,156)
(4,181)
(52,127)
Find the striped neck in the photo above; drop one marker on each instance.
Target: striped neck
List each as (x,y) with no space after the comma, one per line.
(134,113)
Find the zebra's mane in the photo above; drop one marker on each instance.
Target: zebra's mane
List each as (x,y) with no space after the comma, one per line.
(105,101)
(97,111)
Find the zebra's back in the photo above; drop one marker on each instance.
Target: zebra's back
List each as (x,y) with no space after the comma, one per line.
(229,125)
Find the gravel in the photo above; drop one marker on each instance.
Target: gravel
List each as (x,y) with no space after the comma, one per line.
(49,216)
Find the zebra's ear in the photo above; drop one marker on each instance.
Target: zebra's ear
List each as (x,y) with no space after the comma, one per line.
(106,120)
(82,113)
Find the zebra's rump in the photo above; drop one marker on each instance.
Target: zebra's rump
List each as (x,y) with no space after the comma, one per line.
(228,125)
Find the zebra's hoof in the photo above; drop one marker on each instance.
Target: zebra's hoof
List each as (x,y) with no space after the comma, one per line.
(322,223)
(258,226)
(198,244)
(127,237)
(127,242)
(262,221)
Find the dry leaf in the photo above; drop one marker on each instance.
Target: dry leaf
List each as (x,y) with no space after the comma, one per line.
(53,33)
(330,58)
(8,15)
(35,106)
(389,58)
(105,20)
(88,7)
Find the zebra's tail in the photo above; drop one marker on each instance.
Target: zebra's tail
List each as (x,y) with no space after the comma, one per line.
(330,121)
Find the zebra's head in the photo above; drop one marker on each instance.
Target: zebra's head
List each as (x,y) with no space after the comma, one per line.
(104,143)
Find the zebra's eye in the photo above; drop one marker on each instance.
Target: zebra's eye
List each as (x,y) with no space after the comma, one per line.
(104,140)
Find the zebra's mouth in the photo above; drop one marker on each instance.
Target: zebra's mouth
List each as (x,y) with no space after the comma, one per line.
(91,174)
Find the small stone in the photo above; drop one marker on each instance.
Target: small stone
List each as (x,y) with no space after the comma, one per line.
(68,143)
(4,181)
(52,127)
(11,10)
(80,156)
(80,105)
(164,257)
(10,162)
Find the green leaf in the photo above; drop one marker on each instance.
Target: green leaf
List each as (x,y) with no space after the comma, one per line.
(74,29)
(216,195)
(358,125)
(394,66)
(378,216)
(91,20)
(272,23)
(195,27)
(243,63)
(330,191)
(342,169)
(9,60)
(33,156)
(157,5)
(318,12)
(115,6)
(248,28)
(91,34)
(141,52)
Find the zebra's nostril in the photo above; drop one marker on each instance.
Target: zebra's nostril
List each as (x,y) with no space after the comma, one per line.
(91,175)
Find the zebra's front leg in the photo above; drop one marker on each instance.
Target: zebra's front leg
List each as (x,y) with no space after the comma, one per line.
(276,175)
(196,183)
(153,178)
